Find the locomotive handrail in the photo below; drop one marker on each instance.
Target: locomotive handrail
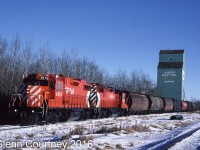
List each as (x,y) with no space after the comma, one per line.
(16,94)
(13,98)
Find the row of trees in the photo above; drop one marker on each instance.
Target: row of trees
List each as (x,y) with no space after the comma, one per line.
(18,58)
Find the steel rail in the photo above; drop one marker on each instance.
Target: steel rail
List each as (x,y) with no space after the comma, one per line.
(165,144)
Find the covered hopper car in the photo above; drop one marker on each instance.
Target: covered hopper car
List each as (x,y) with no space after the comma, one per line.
(156,104)
(137,103)
(169,105)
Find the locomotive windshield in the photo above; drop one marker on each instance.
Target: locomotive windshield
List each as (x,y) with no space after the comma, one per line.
(36,82)
(33,80)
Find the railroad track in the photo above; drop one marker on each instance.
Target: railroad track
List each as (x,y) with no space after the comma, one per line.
(10,127)
(18,126)
(175,137)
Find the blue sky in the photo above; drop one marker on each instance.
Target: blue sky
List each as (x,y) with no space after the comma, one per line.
(117,34)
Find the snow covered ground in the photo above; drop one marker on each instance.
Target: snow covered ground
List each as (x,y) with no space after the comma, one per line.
(131,132)
(190,143)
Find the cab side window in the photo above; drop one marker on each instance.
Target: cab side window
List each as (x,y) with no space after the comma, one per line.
(86,87)
(52,85)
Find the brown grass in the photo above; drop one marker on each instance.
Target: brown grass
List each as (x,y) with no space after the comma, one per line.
(65,137)
(136,128)
(140,128)
(181,124)
(78,130)
(87,138)
(128,130)
(116,133)
(119,146)
(30,135)
(166,127)
(105,129)
(144,117)
(18,137)
(108,147)
(154,126)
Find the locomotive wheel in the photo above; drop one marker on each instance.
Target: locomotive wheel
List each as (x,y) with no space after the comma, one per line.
(36,119)
(102,114)
(33,119)
(29,119)
(47,118)
(23,118)
(109,113)
(53,118)
(63,117)
(67,115)
(85,115)
(15,118)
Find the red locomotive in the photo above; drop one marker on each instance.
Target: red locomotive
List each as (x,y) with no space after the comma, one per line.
(53,98)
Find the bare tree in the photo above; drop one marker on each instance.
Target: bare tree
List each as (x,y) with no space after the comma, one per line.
(43,60)
(15,63)
(66,62)
(3,62)
(28,56)
(121,80)
(17,59)
(134,84)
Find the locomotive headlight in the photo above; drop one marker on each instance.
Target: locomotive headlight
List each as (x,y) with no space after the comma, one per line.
(32,111)
(15,110)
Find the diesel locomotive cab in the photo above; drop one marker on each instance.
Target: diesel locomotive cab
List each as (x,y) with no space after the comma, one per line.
(31,93)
